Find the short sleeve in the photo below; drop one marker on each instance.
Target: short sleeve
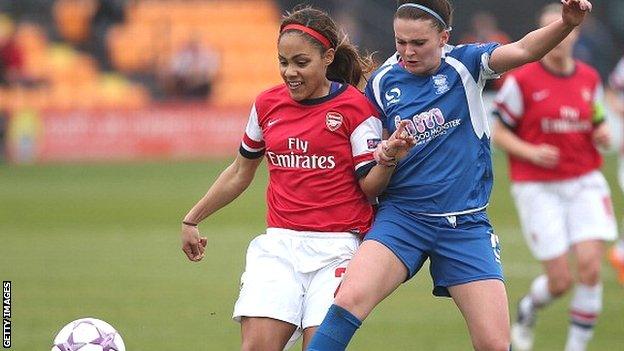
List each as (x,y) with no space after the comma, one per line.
(509,103)
(374,90)
(252,145)
(364,139)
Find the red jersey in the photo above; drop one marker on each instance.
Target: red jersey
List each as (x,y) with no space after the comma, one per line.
(314,151)
(544,108)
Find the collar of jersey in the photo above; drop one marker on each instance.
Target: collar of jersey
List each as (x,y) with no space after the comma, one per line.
(317,101)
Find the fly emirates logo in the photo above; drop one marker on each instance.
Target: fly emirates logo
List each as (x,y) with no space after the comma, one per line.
(298,157)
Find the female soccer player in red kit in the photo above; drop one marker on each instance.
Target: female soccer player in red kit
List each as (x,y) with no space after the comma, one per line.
(551,123)
(318,133)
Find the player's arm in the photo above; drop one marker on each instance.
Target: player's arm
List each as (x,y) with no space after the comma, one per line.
(228,186)
(542,155)
(539,42)
(387,154)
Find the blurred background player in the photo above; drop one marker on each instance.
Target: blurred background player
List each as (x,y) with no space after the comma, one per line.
(318,133)
(551,122)
(190,73)
(434,206)
(616,83)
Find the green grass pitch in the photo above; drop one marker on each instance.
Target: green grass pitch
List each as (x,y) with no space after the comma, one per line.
(101,240)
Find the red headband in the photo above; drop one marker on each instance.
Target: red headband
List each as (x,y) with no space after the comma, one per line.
(311,32)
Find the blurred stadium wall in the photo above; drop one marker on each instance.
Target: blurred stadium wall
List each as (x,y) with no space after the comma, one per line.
(90,83)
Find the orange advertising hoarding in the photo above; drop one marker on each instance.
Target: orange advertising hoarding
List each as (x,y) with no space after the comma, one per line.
(159,132)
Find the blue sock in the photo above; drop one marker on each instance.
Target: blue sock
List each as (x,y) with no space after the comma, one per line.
(336,330)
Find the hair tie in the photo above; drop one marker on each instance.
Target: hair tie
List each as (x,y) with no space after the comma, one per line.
(429,11)
(311,32)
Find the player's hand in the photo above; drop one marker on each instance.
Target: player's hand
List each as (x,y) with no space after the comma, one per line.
(193,245)
(574,11)
(397,146)
(602,136)
(544,155)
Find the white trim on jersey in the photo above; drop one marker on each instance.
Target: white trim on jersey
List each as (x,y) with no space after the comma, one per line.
(377,87)
(510,100)
(369,130)
(486,71)
(473,91)
(253,132)
(449,214)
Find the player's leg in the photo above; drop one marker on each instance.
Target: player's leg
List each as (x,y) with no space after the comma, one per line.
(483,304)
(372,275)
(542,213)
(323,283)
(265,334)
(393,250)
(586,302)
(466,265)
(544,289)
(308,333)
(270,299)
(591,222)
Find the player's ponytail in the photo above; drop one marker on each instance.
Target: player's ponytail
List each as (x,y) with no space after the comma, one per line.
(348,65)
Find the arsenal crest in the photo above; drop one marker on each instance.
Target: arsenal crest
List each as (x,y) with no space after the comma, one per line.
(333,121)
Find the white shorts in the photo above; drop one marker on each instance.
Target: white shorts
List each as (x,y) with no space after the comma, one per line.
(292,276)
(555,215)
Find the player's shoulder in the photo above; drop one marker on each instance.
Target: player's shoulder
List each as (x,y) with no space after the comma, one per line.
(355,103)
(462,51)
(272,94)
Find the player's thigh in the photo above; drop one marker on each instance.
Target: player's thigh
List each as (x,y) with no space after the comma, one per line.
(542,214)
(591,215)
(268,334)
(308,333)
(372,274)
(484,306)
(270,287)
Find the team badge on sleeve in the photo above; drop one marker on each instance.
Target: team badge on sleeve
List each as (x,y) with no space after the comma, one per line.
(333,121)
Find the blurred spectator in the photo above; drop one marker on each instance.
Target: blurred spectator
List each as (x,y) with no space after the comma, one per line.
(11,60)
(191,71)
(595,45)
(107,14)
(484,29)
(616,85)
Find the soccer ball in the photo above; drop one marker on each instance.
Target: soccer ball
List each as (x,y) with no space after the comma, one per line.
(88,334)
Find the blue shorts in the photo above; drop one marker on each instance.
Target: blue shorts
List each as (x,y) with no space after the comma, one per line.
(461,249)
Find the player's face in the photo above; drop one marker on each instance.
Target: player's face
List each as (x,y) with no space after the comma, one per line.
(420,44)
(303,67)
(564,49)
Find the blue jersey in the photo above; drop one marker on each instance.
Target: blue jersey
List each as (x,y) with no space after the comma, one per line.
(449,171)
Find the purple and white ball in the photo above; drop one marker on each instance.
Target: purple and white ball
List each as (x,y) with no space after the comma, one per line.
(88,334)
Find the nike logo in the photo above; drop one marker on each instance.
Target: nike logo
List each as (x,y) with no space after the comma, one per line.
(540,95)
(272,122)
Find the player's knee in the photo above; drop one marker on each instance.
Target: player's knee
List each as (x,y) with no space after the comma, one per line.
(560,284)
(258,343)
(589,272)
(353,301)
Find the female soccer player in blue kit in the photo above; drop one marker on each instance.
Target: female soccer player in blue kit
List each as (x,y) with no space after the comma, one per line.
(434,205)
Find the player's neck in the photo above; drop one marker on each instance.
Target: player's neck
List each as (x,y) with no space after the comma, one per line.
(560,65)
